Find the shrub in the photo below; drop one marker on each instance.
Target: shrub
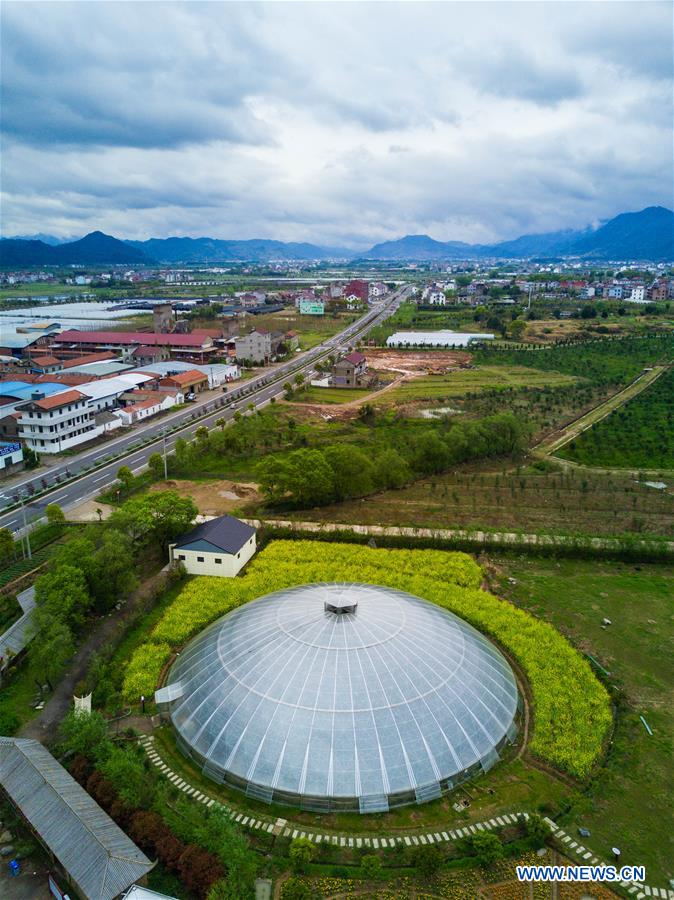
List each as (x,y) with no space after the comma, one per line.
(371,866)
(301,853)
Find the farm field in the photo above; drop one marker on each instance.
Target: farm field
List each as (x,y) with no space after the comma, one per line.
(630,802)
(321,395)
(566,502)
(638,434)
(467,381)
(603,362)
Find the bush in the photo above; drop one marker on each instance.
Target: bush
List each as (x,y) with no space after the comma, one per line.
(301,853)
(371,866)
(571,708)
(9,723)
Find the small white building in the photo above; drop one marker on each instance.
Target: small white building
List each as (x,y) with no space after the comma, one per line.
(220,547)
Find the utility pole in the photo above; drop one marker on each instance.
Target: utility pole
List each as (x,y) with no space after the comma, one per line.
(29,553)
(165,461)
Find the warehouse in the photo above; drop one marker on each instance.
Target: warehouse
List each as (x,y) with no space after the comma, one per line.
(91,852)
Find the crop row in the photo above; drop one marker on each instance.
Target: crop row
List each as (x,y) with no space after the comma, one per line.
(571,708)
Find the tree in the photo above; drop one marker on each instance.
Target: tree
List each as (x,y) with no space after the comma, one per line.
(390,470)
(125,477)
(52,647)
(158,517)
(488,847)
(126,772)
(537,830)
(31,458)
(84,733)
(299,379)
(371,866)
(426,860)
(156,465)
(54,513)
(201,434)
(301,853)
(113,570)
(517,329)
(62,593)
(221,423)
(6,546)
(352,471)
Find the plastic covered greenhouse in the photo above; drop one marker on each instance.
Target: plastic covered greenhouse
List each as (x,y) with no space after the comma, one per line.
(341,697)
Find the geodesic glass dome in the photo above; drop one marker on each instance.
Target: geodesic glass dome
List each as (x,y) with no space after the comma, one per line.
(341,697)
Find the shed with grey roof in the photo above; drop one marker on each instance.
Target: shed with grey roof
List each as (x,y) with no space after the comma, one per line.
(97,857)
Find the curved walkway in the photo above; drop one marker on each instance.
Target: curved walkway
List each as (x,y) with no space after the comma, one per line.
(281,827)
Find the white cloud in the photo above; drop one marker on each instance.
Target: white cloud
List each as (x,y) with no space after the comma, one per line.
(333,122)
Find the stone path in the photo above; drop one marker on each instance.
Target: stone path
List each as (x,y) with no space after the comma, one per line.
(286,829)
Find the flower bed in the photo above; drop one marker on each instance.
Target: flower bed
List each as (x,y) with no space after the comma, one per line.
(571,708)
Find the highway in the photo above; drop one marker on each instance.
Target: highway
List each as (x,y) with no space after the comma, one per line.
(93,471)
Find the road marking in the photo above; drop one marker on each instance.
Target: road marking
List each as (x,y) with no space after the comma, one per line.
(102,477)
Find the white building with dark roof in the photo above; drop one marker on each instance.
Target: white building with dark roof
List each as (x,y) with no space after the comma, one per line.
(220,547)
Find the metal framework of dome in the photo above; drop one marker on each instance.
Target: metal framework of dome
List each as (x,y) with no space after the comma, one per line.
(342,697)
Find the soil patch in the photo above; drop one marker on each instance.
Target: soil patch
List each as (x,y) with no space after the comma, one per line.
(213,498)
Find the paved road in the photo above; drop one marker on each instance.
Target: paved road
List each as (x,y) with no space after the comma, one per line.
(258,391)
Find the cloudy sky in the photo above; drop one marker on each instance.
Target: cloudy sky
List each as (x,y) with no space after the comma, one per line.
(339,123)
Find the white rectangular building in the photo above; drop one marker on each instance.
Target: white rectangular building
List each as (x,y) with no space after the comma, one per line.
(219,547)
(435,339)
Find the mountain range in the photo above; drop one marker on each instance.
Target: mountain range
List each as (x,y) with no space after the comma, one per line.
(644,235)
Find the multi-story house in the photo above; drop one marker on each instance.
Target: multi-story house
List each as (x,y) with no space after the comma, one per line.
(255,346)
(57,423)
(350,371)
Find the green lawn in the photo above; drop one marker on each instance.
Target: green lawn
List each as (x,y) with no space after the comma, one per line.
(630,805)
(468,381)
(330,395)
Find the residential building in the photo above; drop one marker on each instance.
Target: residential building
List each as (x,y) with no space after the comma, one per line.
(162,318)
(349,371)
(254,347)
(220,547)
(292,340)
(57,423)
(378,290)
(637,294)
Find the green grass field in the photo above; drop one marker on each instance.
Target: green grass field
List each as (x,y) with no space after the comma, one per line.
(468,381)
(639,434)
(330,395)
(630,802)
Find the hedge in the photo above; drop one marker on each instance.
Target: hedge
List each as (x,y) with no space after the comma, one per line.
(571,707)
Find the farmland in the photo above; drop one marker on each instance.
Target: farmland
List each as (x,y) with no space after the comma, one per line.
(511,498)
(321,395)
(469,381)
(311,329)
(639,434)
(603,362)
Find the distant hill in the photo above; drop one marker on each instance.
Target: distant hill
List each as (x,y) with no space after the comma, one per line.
(210,250)
(93,249)
(644,235)
(648,234)
(418,247)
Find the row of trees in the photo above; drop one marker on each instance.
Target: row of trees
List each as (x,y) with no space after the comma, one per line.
(203,847)
(96,571)
(315,477)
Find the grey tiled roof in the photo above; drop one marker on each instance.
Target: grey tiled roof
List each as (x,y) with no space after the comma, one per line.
(225,533)
(100,859)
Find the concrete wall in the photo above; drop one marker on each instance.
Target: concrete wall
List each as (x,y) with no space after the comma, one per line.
(228,568)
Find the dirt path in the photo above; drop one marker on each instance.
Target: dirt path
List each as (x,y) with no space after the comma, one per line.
(107,631)
(572,430)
